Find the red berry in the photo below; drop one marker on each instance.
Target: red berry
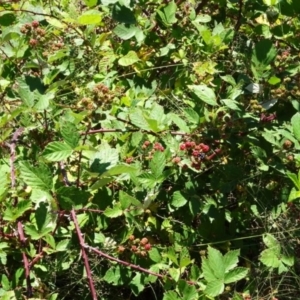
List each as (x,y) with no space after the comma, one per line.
(146,143)
(188,144)
(182,147)
(35,23)
(195,153)
(147,247)
(205,148)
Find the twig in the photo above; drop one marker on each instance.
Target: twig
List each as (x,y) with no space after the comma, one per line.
(84,255)
(25,259)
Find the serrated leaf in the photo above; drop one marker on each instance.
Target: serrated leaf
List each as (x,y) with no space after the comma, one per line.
(296,125)
(25,94)
(214,288)
(271,242)
(215,260)
(154,255)
(171,295)
(235,275)
(138,119)
(39,177)
(123,14)
(187,291)
(70,134)
(57,151)
(168,14)
(231,259)
(62,245)
(90,18)
(125,32)
(207,271)
(174,273)
(120,169)
(204,93)
(269,258)
(13,213)
(178,199)
(129,59)
(114,212)
(157,164)
(136,284)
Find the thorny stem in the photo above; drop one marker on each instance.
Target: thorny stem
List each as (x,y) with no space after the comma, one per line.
(25,259)
(84,255)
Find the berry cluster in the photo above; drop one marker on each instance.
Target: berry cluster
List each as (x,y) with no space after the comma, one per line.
(34,31)
(197,152)
(137,246)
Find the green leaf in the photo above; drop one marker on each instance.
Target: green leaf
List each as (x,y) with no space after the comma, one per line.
(136,284)
(215,260)
(39,177)
(269,258)
(214,288)
(25,94)
(120,169)
(231,259)
(62,245)
(178,199)
(187,291)
(125,32)
(90,3)
(157,164)
(123,14)
(294,194)
(204,93)
(168,14)
(264,52)
(129,59)
(207,271)
(296,125)
(90,18)
(174,273)
(70,134)
(171,295)
(114,212)
(271,242)
(154,255)
(57,151)
(5,282)
(235,275)
(124,199)
(13,213)
(7,19)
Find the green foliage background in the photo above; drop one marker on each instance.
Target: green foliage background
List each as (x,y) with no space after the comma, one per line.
(149,149)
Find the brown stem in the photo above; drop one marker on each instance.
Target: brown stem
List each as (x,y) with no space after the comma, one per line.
(84,255)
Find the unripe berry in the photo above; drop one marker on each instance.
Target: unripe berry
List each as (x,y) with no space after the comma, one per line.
(290,157)
(144,241)
(129,160)
(121,249)
(35,24)
(131,237)
(176,160)
(287,144)
(33,42)
(133,248)
(146,143)
(143,253)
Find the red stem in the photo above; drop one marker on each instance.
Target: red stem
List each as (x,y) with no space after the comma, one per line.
(25,259)
(84,255)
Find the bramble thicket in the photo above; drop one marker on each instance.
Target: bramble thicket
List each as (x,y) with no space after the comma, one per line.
(150,149)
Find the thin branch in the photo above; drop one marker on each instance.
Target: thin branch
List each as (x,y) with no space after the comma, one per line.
(84,255)
(25,259)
